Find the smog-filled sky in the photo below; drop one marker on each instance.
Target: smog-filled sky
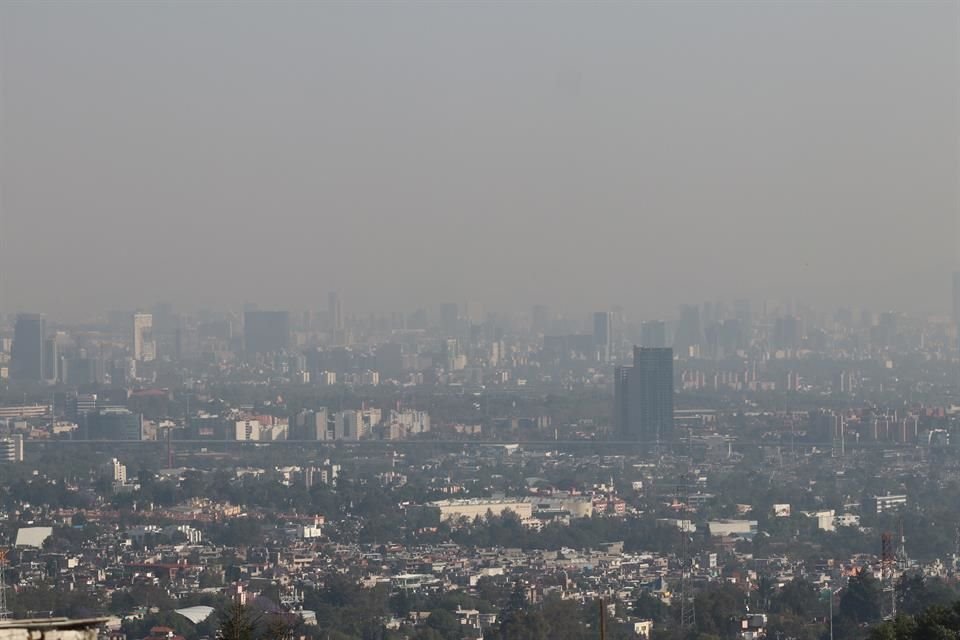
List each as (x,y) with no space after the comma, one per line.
(576,154)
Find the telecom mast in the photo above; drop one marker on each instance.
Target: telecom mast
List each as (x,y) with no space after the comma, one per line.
(688,613)
(4,611)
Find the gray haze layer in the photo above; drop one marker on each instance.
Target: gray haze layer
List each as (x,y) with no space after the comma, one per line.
(579,155)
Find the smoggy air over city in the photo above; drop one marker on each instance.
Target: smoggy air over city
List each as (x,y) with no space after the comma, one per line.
(470,320)
(641,154)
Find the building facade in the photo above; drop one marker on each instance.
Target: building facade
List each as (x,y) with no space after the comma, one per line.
(27,352)
(643,397)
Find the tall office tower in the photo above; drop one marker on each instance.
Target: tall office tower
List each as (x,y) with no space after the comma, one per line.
(885,333)
(653,334)
(450,320)
(388,360)
(266,331)
(51,361)
(473,312)
(540,319)
(144,348)
(335,309)
(26,353)
(166,324)
(602,334)
(621,402)
(419,320)
(787,332)
(689,335)
(186,340)
(451,353)
(744,317)
(643,397)
(653,371)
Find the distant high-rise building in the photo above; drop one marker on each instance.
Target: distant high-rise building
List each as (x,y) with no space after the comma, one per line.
(473,312)
(419,320)
(51,361)
(621,402)
(602,334)
(451,352)
(80,405)
(113,423)
(144,348)
(11,448)
(653,334)
(787,332)
(166,325)
(186,341)
(689,334)
(26,357)
(450,319)
(335,309)
(389,360)
(643,397)
(540,319)
(119,471)
(266,331)
(884,334)
(742,312)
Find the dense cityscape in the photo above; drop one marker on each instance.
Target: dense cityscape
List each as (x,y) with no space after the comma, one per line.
(739,470)
(471,320)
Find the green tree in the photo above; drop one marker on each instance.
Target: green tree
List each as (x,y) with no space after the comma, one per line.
(650,607)
(798,597)
(916,593)
(860,602)
(444,623)
(520,625)
(238,622)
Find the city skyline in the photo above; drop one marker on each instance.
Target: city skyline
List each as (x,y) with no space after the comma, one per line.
(469,320)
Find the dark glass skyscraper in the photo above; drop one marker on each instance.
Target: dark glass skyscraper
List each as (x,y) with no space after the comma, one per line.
(643,397)
(27,357)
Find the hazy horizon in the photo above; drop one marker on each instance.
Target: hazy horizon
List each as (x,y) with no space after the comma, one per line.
(405,154)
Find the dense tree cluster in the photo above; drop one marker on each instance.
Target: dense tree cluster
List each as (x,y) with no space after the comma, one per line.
(940,622)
